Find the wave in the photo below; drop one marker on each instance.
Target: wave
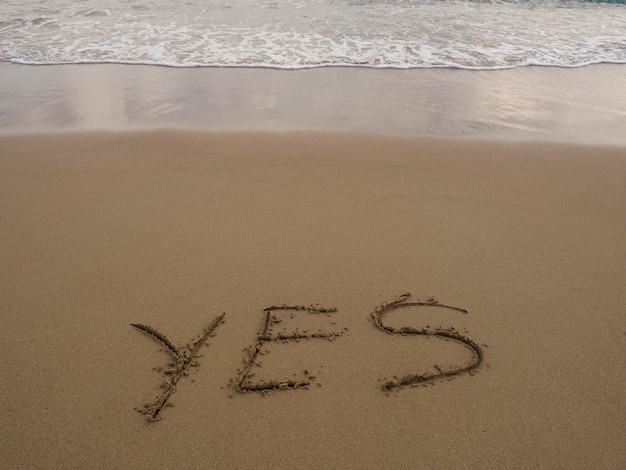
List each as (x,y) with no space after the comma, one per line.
(468,34)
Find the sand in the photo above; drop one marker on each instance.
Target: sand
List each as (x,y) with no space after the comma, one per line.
(584,105)
(308,242)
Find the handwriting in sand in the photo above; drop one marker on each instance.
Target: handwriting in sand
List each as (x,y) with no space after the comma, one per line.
(272,332)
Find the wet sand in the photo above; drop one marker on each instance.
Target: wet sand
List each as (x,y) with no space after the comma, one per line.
(531,103)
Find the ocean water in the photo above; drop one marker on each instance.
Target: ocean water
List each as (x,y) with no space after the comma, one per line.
(292,34)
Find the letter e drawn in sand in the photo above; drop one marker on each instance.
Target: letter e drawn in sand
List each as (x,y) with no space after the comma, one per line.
(449,334)
(184,357)
(267,336)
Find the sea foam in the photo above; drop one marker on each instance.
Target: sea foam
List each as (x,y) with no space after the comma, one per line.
(293,34)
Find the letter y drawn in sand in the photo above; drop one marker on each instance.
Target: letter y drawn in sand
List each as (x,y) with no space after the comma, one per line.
(184,357)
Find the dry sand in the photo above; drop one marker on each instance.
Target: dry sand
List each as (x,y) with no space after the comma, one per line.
(170,229)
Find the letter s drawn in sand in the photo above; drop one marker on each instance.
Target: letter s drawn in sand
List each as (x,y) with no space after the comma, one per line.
(449,334)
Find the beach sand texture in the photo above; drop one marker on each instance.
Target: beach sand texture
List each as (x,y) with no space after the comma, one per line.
(515,334)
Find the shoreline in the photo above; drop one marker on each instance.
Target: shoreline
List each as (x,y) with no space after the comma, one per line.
(166,134)
(531,103)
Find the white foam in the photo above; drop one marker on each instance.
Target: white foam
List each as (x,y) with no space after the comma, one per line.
(249,33)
